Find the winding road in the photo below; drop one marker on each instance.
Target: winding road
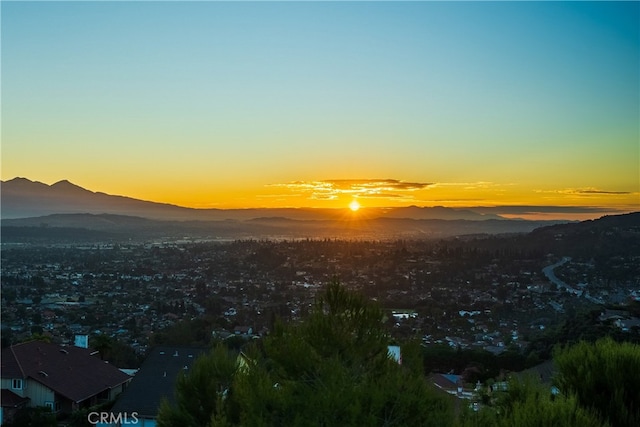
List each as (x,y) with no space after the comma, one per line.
(548,271)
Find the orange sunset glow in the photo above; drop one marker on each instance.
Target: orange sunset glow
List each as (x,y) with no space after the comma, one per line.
(494,106)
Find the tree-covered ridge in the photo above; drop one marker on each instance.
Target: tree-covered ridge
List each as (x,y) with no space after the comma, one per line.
(333,369)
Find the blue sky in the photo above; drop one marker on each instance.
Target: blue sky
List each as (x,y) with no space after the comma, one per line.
(537,98)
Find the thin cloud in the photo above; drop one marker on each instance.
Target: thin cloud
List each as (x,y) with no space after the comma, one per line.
(451,200)
(477,184)
(381,195)
(602,192)
(378,184)
(525,209)
(585,192)
(320,196)
(270,196)
(365,188)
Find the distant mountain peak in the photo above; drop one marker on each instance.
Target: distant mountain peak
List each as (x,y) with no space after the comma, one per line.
(65,182)
(21,180)
(66,185)
(24,184)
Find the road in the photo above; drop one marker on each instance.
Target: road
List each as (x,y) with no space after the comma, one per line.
(548,271)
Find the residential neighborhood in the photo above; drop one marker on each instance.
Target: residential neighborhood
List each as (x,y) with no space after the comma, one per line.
(134,293)
(65,308)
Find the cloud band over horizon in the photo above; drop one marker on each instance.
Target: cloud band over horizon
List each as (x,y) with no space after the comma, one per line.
(360,188)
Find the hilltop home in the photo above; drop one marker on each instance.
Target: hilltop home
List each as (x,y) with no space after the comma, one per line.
(155,381)
(62,378)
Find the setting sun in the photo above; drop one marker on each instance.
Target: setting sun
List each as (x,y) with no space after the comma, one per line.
(377,129)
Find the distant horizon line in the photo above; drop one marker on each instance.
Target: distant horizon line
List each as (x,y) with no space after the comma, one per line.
(506,211)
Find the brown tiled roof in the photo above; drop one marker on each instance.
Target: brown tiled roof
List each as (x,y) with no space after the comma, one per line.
(71,371)
(444,382)
(9,366)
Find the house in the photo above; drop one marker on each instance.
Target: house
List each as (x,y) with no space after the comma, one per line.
(627,324)
(154,381)
(543,371)
(62,378)
(452,384)
(394,353)
(243,330)
(11,404)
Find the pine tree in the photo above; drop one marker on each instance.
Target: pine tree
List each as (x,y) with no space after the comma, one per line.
(529,403)
(333,369)
(604,376)
(201,392)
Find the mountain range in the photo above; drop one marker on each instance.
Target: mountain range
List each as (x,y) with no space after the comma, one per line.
(33,210)
(23,198)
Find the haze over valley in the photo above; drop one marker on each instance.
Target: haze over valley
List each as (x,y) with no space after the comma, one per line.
(31,209)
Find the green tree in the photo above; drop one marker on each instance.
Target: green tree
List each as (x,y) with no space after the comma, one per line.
(539,408)
(333,369)
(605,376)
(330,369)
(6,337)
(103,344)
(122,355)
(193,332)
(36,330)
(529,403)
(33,417)
(38,336)
(201,392)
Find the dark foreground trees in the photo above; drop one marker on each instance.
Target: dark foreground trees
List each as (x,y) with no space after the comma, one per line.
(201,392)
(331,369)
(528,403)
(604,377)
(597,384)
(33,417)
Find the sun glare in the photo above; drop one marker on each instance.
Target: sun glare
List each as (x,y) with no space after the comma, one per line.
(354,206)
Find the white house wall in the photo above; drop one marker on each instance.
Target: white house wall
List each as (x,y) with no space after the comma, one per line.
(38,393)
(115,392)
(7,383)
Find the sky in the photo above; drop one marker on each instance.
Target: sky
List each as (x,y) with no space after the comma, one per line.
(316,104)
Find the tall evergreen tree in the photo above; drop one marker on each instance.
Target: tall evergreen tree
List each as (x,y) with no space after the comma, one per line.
(604,376)
(201,392)
(333,369)
(330,369)
(529,403)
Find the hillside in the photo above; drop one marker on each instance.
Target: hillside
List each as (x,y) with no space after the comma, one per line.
(119,227)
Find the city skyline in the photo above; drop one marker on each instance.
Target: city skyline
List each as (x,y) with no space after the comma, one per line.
(298,104)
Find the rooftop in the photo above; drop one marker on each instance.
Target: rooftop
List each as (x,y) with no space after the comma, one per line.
(71,371)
